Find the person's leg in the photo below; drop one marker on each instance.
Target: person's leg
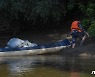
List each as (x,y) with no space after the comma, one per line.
(75,35)
(74,41)
(73,45)
(83,39)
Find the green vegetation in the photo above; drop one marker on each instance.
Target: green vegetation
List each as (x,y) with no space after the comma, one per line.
(46,12)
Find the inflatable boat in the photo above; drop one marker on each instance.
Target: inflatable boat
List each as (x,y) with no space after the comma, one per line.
(36,50)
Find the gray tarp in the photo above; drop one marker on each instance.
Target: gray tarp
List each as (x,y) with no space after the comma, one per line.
(16,42)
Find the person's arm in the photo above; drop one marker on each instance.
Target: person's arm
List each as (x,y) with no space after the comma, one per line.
(86,33)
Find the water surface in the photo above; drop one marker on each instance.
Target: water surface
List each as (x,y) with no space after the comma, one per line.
(46,66)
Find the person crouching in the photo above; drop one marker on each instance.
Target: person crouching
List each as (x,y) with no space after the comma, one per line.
(77,32)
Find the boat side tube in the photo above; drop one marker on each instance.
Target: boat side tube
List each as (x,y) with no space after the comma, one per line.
(56,44)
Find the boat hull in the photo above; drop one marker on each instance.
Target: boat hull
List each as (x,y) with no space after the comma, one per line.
(32,52)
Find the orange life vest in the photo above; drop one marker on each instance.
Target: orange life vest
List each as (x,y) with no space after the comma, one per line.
(75,26)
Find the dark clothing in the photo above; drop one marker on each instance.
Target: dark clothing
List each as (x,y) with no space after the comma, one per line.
(76,34)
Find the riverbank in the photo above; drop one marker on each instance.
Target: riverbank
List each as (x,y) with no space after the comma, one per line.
(82,51)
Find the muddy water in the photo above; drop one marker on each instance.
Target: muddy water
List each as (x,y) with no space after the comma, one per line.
(46,66)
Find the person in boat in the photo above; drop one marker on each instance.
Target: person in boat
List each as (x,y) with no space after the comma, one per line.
(77,32)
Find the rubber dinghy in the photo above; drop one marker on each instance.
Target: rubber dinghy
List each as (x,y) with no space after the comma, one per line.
(35,50)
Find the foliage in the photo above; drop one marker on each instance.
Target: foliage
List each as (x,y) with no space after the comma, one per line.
(53,11)
(70,5)
(91,30)
(89,16)
(86,23)
(17,11)
(32,8)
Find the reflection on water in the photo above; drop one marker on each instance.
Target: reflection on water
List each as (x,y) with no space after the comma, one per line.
(46,66)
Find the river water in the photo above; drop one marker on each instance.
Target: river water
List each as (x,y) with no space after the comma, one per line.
(47,66)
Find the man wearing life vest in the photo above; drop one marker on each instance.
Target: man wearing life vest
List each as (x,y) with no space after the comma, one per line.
(77,32)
